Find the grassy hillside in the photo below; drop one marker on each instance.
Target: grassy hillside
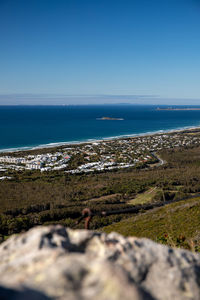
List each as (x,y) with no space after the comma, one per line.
(176,224)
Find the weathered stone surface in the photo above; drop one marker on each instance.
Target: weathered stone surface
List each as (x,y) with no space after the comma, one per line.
(58,263)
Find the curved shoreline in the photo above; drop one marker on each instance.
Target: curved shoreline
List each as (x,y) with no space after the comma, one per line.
(90,140)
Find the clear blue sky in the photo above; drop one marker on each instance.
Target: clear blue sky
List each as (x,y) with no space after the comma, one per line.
(100,47)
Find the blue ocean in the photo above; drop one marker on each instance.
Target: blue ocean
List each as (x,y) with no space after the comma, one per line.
(39,126)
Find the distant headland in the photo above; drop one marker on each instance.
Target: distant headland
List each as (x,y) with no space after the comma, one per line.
(108,118)
(179,108)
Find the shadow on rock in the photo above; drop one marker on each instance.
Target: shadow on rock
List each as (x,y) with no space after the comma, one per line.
(12,294)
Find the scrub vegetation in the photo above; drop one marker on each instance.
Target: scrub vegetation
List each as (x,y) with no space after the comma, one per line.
(176,224)
(33,198)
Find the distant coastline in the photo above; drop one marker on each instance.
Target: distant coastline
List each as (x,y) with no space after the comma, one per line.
(98,140)
(178,108)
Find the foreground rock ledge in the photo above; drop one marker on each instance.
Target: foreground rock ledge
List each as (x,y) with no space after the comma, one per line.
(58,263)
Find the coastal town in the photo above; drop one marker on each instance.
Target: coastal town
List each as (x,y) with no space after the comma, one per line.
(99,156)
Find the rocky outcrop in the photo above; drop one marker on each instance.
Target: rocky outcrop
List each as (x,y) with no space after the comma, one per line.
(58,263)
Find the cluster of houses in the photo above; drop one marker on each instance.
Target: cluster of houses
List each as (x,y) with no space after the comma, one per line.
(5,177)
(127,152)
(99,166)
(165,141)
(101,155)
(44,162)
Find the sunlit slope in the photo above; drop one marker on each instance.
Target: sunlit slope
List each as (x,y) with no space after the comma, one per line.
(176,224)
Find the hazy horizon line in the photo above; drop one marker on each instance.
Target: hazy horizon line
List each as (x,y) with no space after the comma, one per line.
(89,99)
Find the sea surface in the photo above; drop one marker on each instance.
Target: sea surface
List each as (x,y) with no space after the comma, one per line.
(39,126)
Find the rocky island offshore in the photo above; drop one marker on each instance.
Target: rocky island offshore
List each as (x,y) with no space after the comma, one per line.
(109,118)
